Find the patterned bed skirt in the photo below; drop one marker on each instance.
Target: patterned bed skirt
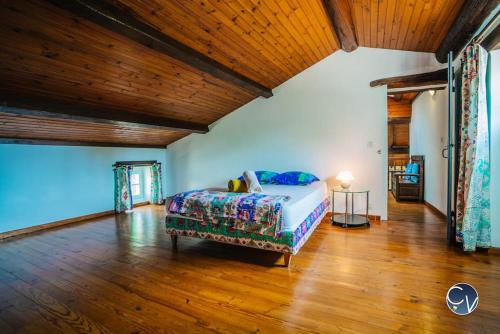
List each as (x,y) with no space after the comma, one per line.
(285,242)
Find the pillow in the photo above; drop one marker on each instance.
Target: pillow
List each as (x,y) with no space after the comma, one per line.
(408,170)
(295,178)
(253,185)
(237,186)
(414,170)
(264,176)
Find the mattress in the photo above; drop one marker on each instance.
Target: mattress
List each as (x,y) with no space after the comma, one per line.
(303,200)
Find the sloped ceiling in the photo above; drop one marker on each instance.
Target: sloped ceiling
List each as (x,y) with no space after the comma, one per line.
(51,53)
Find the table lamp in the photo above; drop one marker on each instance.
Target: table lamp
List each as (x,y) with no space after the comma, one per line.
(345,177)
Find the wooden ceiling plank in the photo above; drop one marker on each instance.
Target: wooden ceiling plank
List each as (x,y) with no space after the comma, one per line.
(388,26)
(471,16)
(279,59)
(125,24)
(28,141)
(308,13)
(309,38)
(405,22)
(357,15)
(340,14)
(415,80)
(431,27)
(244,57)
(397,23)
(319,11)
(418,20)
(374,14)
(59,110)
(290,40)
(382,9)
(290,34)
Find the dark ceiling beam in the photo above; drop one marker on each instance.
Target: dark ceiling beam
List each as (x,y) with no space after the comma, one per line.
(30,141)
(438,77)
(416,90)
(340,15)
(471,16)
(492,41)
(68,111)
(123,22)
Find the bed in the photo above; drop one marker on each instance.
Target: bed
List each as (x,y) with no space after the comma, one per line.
(291,214)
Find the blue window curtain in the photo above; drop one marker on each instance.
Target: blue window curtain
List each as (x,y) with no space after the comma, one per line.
(473,189)
(156,184)
(123,193)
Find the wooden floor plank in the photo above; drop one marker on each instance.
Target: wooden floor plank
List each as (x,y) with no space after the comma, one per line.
(120,274)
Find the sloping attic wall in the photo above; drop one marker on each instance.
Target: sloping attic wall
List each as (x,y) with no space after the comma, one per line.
(325,119)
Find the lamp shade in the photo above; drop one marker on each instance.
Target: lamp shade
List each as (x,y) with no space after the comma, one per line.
(345,177)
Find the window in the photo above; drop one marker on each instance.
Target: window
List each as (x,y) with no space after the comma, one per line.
(137,185)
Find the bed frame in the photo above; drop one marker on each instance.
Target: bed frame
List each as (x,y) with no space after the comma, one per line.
(286,242)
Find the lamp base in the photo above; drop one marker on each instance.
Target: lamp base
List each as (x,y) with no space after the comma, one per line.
(345,185)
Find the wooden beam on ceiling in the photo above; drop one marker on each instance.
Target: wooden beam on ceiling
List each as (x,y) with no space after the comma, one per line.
(472,15)
(124,22)
(415,80)
(415,90)
(27,141)
(340,15)
(64,110)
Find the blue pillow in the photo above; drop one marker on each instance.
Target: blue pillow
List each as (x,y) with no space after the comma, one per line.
(414,170)
(408,170)
(295,178)
(264,176)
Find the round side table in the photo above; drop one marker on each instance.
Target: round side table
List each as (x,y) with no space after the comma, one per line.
(350,219)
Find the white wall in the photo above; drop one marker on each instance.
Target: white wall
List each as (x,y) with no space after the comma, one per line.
(323,120)
(495,148)
(428,136)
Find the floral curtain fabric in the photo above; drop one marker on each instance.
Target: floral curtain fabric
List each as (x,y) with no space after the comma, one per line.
(156,189)
(473,193)
(123,193)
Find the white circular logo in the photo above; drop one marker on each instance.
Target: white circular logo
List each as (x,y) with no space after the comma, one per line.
(462,299)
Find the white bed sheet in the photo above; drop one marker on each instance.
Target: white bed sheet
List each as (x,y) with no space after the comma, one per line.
(304,199)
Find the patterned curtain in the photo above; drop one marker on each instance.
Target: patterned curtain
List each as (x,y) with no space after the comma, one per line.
(123,193)
(473,193)
(156,191)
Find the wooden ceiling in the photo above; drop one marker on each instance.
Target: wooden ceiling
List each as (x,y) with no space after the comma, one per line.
(414,25)
(237,50)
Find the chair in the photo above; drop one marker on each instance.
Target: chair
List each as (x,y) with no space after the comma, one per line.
(410,190)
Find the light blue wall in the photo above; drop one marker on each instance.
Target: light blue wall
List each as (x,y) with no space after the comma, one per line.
(42,184)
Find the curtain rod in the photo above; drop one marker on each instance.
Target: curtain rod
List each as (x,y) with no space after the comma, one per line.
(486,29)
(136,163)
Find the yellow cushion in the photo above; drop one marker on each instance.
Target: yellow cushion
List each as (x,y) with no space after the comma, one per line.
(237,186)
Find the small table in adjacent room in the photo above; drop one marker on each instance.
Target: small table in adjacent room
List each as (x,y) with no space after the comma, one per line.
(350,219)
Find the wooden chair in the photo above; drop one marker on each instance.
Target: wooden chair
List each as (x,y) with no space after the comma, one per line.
(406,190)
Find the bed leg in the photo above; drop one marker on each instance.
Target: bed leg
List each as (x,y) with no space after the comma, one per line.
(287,257)
(174,241)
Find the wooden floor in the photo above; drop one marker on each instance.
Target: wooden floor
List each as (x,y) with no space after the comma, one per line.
(120,275)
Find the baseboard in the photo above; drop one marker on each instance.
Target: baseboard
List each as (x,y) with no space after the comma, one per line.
(58,223)
(435,210)
(371,217)
(141,204)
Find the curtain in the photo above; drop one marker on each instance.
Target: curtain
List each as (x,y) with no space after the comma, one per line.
(156,189)
(123,193)
(473,194)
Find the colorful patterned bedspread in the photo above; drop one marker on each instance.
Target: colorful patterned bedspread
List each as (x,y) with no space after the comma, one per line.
(257,213)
